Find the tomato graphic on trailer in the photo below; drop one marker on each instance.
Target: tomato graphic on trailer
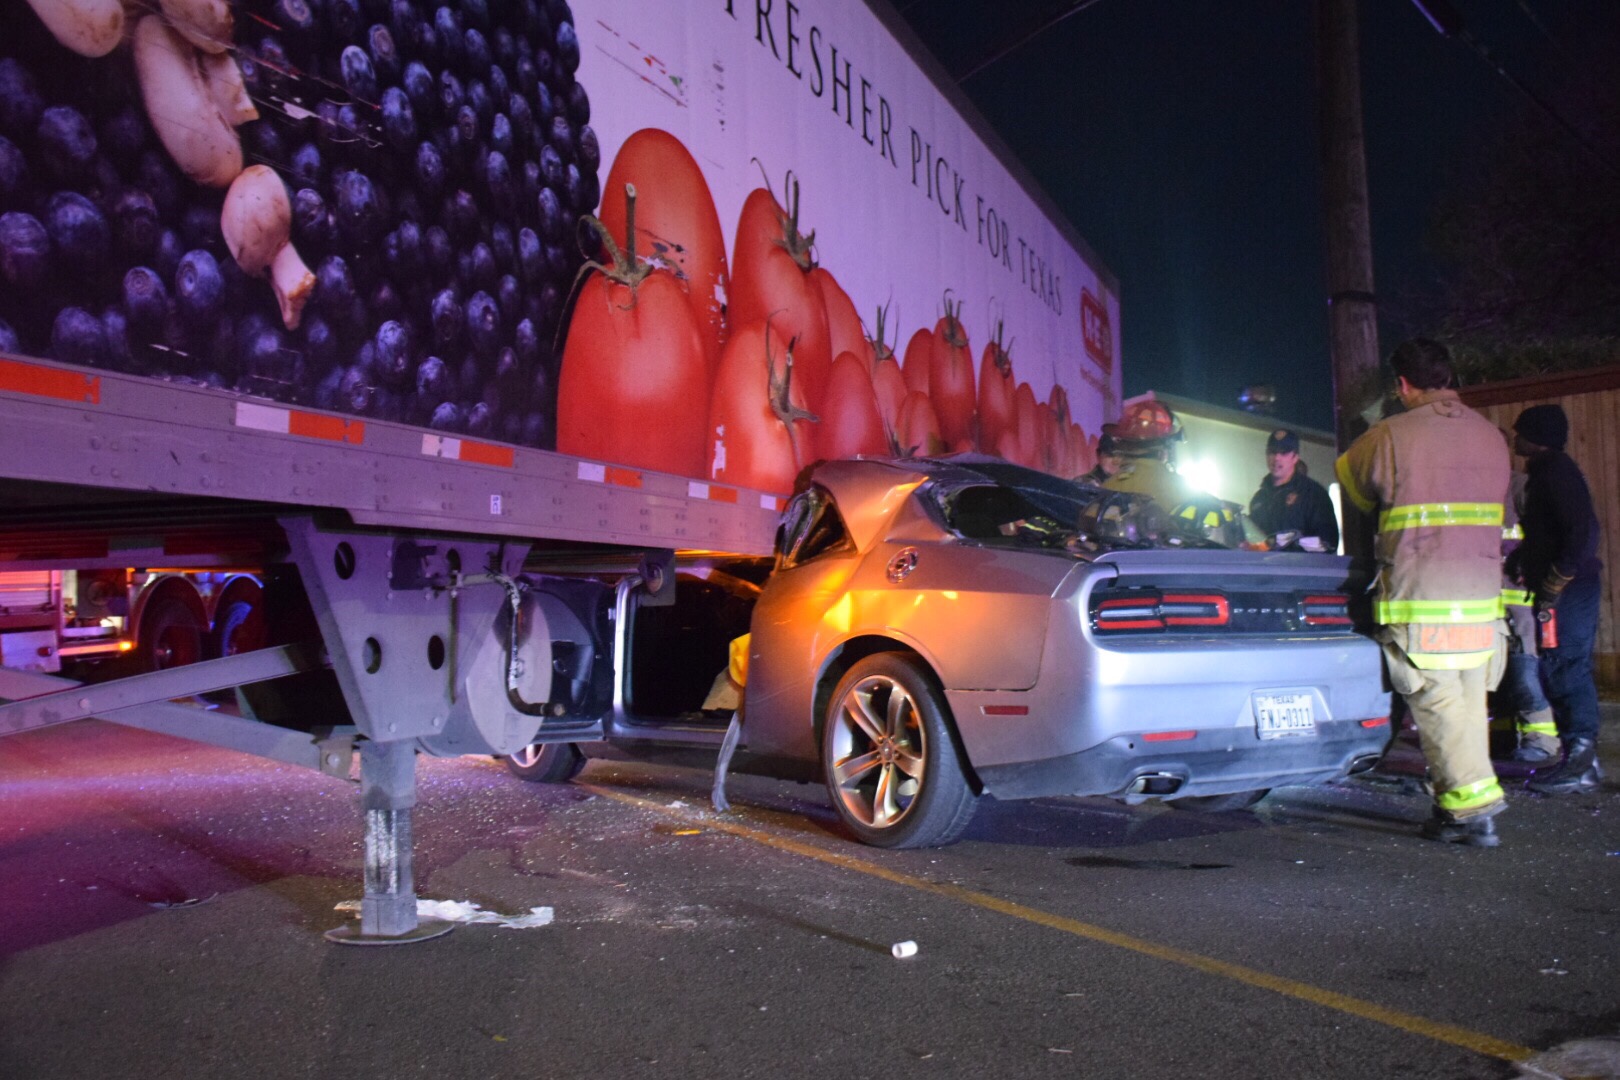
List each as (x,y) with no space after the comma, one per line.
(771,279)
(676,223)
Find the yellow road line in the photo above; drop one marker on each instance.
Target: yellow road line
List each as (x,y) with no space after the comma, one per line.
(1316,995)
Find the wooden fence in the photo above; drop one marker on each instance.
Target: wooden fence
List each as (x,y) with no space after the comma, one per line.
(1592,401)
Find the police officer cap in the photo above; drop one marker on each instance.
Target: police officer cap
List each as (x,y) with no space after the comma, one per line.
(1282,441)
(1107,445)
(1544,425)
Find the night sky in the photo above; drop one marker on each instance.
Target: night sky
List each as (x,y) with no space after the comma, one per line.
(1181,139)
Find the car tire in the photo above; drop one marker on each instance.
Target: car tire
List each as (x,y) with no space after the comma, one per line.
(891,765)
(1219,804)
(546,763)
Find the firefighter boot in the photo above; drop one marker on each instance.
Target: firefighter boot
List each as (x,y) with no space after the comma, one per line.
(1478,830)
(1538,739)
(1579,771)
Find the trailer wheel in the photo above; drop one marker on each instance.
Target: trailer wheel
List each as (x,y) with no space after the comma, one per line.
(171,634)
(891,765)
(547,763)
(239,628)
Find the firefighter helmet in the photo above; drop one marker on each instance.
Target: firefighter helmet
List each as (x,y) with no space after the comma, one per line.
(1145,422)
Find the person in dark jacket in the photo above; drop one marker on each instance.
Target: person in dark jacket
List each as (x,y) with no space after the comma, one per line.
(1558,564)
(1289,500)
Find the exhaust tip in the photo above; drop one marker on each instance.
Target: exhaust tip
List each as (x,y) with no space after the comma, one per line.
(1365,763)
(1156,783)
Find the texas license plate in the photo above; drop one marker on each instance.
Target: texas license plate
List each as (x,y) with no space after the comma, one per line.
(1282,716)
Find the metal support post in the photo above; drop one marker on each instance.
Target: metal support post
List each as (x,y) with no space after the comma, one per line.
(388,907)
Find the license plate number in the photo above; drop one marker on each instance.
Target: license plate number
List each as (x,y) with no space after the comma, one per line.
(1282,716)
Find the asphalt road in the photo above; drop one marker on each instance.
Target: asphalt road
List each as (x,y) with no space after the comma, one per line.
(162,903)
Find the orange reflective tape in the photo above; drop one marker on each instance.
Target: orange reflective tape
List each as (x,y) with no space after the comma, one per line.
(485,454)
(629,478)
(1455,637)
(330,428)
(47,382)
(723,494)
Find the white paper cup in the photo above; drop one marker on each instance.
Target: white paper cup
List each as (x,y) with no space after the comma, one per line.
(903,949)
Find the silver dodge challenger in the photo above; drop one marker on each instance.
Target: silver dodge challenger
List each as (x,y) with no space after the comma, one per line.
(935,630)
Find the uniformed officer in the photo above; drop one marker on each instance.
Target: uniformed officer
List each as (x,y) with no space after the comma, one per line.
(1288,500)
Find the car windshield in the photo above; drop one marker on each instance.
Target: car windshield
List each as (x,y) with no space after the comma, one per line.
(1007,504)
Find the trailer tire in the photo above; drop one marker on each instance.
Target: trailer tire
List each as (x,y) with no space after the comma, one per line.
(171,634)
(239,628)
(546,763)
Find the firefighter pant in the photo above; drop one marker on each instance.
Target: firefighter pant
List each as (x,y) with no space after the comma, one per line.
(1521,693)
(1448,707)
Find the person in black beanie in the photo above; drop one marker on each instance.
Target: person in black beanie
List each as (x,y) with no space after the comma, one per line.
(1558,564)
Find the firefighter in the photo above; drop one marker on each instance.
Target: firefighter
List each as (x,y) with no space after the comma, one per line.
(1438,475)
(1521,694)
(1108,462)
(1144,437)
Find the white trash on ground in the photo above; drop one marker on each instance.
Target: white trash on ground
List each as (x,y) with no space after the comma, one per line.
(903,949)
(465,911)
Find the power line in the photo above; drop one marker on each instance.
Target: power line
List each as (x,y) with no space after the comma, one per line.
(1444,18)
(1074,8)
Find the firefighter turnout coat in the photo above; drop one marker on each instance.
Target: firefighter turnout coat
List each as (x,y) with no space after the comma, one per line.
(1437,477)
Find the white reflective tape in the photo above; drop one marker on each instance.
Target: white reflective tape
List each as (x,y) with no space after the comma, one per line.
(767,502)
(263,418)
(590,470)
(439,446)
(697,490)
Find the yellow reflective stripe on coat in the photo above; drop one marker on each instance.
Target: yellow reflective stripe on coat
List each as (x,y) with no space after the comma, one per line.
(1347,483)
(1470,796)
(1427,515)
(1517,598)
(1536,729)
(1438,611)
(1513,532)
(1450,661)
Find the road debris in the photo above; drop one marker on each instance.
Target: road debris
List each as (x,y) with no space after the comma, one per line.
(465,911)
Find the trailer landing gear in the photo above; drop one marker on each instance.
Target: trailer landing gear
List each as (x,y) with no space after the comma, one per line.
(388,908)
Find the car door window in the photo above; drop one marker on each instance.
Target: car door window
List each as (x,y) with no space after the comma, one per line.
(811,527)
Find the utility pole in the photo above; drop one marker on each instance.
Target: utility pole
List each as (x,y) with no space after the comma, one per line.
(1352,307)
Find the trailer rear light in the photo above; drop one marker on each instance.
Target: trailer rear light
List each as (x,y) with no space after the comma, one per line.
(1152,610)
(1168,736)
(1332,609)
(1377,721)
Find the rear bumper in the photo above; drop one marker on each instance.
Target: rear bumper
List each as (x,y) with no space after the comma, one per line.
(1210,763)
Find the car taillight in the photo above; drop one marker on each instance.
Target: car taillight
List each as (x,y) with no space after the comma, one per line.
(1332,609)
(1195,609)
(1153,610)
(1130,613)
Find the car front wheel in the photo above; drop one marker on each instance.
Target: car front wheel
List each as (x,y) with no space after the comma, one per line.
(891,766)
